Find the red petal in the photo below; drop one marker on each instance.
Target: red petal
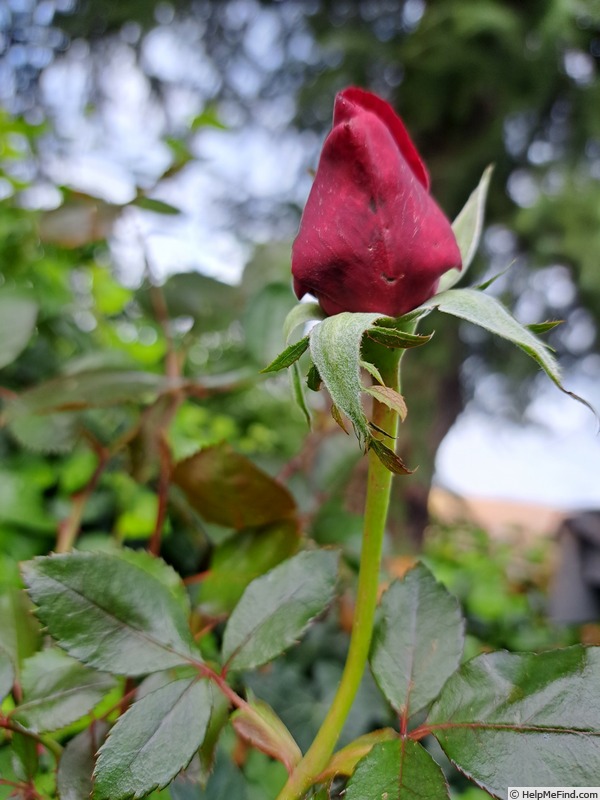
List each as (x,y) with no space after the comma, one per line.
(371,237)
(350,102)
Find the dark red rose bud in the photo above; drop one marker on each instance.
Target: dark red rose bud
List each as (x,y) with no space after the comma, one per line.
(371,237)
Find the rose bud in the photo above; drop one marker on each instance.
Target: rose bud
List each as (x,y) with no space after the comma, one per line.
(371,237)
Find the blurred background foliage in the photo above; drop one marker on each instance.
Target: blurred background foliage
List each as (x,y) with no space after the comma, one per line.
(154,161)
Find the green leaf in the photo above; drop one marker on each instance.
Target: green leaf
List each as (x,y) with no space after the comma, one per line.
(109,613)
(47,433)
(485,311)
(372,370)
(264,318)
(389,458)
(543,327)
(164,573)
(300,315)
(390,337)
(22,503)
(389,397)
(153,740)
(335,347)
(395,771)
(209,118)
(19,629)
(227,488)
(208,751)
(25,757)
(74,776)
(277,608)
(468,227)
(241,559)
(212,304)
(57,690)
(157,206)
(260,726)
(288,357)
(345,760)
(18,314)
(313,379)
(417,642)
(298,392)
(90,390)
(7,673)
(523,719)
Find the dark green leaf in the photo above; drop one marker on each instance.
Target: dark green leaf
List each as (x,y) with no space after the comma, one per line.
(47,433)
(7,673)
(390,337)
(208,750)
(288,356)
(227,488)
(25,757)
(543,327)
(389,458)
(18,313)
(57,690)
(157,206)
(153,740)
(243,558)
(74,776)
(522,719)
(227,782)
(109,613)
(89,390)
(417,642)
(395,771)
(277,608)
(490,281)
(159,570)
(313,379)
(345,760)
(19,629)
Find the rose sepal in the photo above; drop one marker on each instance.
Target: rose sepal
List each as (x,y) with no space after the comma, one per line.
(468,228)
(479,308)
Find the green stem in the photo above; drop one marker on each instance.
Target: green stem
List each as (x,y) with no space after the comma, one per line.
(376,509)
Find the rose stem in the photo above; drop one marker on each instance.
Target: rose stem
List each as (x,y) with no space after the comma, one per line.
(376,508)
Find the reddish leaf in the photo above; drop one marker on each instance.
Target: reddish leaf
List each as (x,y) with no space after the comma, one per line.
(228,489)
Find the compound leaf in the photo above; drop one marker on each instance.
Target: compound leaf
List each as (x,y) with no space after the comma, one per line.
(417,642)
(523,719)
(109,613)
(397,770)
(276,608)
(154,740)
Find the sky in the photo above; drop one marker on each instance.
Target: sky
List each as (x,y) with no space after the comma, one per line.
(556,463)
